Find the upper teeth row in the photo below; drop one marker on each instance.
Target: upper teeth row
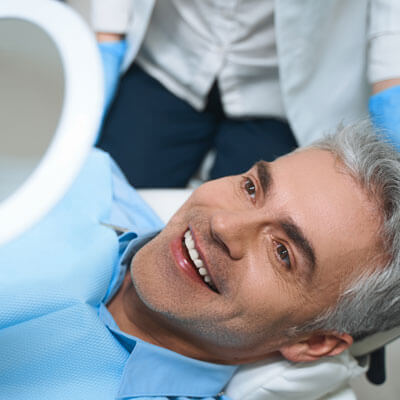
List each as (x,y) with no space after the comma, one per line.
(194,255)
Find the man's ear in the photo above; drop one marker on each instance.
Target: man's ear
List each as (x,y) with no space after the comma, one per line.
(316,346)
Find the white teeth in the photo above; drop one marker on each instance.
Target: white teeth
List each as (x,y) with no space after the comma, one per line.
(194,255)
(202,271)
(189,241)
(198,263)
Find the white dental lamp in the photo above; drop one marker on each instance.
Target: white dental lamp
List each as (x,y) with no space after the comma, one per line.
(51,100)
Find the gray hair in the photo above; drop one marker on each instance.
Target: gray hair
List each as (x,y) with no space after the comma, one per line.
(371,302)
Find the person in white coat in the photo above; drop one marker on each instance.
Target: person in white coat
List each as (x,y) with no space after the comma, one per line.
(251,79)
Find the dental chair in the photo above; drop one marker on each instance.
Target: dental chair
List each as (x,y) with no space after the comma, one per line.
(50,111)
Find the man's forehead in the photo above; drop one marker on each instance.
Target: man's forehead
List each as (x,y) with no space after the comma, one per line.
(300,162)
(311,155)
(313,164)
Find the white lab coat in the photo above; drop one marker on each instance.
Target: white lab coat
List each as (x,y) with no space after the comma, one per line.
(330,52)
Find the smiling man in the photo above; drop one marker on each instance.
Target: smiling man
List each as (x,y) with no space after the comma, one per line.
(296,258)
(250,260)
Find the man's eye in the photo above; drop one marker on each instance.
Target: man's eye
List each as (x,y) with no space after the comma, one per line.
(283,254)
(250,188)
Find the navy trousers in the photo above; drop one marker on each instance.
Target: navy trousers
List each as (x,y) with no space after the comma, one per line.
(160,140)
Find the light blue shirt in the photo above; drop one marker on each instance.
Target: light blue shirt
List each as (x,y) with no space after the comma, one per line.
(57,339)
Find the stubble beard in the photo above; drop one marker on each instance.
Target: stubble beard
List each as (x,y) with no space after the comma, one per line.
(201,325)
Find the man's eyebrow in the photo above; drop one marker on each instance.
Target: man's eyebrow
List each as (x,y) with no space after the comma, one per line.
(264,176)
(291,229)
(294,232)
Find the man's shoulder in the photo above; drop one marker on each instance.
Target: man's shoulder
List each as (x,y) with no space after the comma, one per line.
(128,212)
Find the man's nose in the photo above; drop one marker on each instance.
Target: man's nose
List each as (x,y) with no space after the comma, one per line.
(234,231)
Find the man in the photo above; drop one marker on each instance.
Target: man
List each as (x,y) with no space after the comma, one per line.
(210,284)
(295,257)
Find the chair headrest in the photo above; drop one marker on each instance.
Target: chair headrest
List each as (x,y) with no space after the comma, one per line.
(373,342)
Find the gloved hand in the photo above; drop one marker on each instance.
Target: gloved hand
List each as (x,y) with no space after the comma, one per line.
(112,54)
(384,109)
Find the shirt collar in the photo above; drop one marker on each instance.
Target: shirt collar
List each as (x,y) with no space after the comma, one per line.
(155,371)
(129,244)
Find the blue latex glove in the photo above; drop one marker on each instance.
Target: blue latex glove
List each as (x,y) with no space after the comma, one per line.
(112,54)
(384,109)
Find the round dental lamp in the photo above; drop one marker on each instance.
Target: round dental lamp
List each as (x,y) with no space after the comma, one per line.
(51,101)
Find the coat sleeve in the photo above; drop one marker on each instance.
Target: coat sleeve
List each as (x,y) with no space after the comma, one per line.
(112,16)
(384,40)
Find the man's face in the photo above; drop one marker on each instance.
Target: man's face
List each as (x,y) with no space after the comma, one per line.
(277,243)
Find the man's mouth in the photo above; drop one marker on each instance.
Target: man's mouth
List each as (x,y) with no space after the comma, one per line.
(198,264)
